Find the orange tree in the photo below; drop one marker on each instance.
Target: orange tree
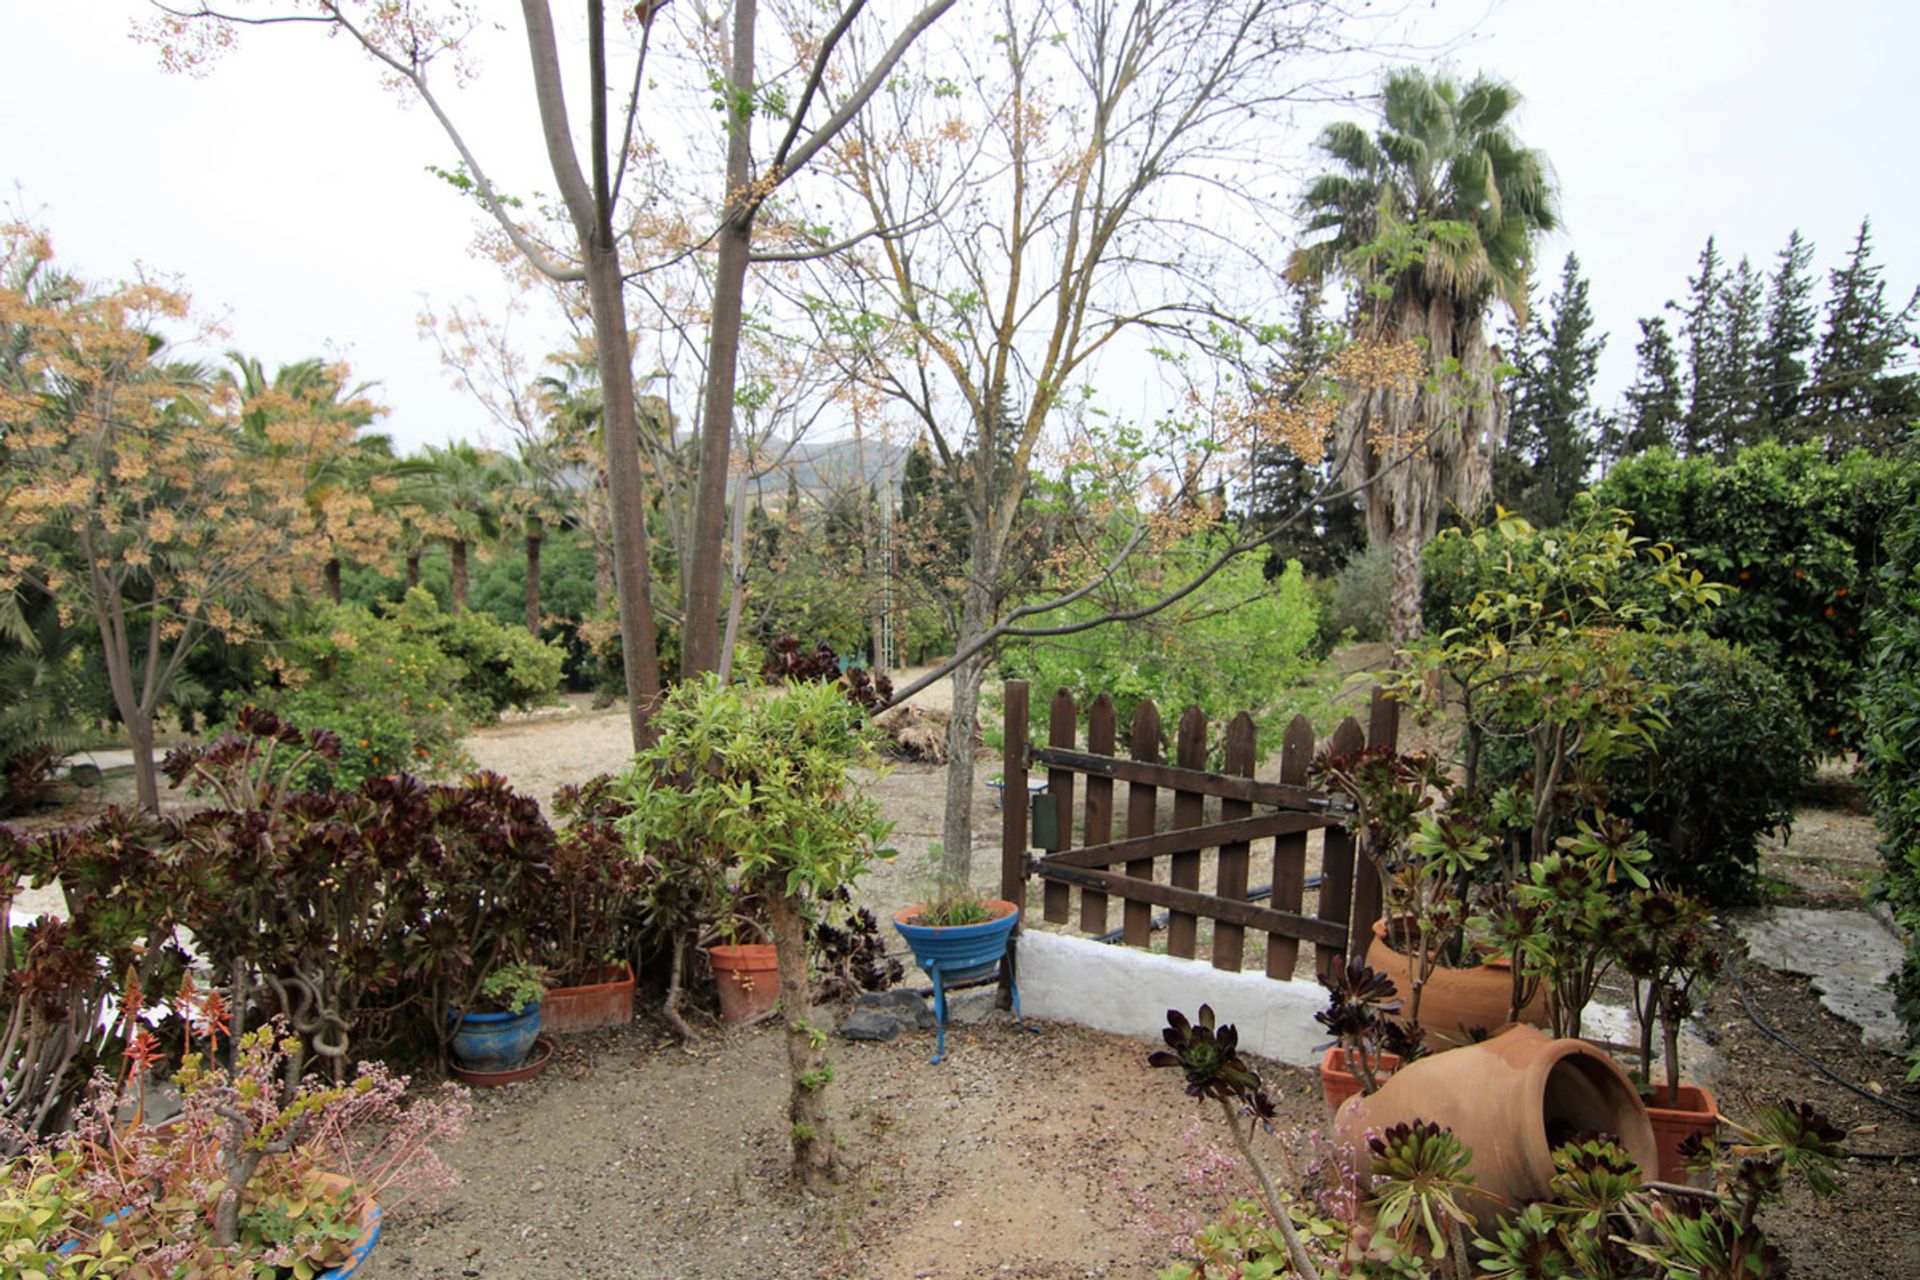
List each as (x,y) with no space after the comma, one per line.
(130,491)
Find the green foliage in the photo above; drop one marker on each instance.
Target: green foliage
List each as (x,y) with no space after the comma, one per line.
(394,700)
(761,777)
(511,988)
(501,665)
(1236,644)
(42,1203)
(43,695)
(1890,704)
(1362,595)
(1800,536)
(1726,761)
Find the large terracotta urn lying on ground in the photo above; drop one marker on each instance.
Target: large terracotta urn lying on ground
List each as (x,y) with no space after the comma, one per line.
(1510,1100)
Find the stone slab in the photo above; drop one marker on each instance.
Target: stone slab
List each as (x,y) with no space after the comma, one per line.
(1849,955)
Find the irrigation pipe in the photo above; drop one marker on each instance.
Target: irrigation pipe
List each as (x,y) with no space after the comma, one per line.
(1878,1157)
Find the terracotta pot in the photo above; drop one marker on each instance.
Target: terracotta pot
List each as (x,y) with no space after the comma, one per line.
(1456,1003)
(748,976)
(605,1002)
(1339,1084)
(1509,1100)
(1675,1120)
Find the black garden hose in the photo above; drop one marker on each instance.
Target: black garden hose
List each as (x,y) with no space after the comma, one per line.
(1877,1157)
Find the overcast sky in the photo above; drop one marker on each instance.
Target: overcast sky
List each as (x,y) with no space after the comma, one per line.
(290,194)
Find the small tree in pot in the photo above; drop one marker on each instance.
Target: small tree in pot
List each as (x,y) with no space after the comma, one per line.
(763,774)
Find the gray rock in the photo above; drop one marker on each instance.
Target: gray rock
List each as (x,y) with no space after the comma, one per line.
(900,1002)
(1848,954)
(870,1024)
(976,1004)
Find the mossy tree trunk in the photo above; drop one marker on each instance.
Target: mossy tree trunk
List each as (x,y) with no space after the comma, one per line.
(817,1160)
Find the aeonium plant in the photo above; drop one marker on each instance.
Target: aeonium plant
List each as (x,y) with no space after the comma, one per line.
(1417,1171)
(1361,1003)
(1666,947)
(1424,855)
(1576,894)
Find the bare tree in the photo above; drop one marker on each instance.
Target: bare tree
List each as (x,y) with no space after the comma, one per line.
(1095,167)
(407,41)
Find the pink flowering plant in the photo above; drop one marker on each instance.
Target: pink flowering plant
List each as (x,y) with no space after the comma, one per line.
(263,1175)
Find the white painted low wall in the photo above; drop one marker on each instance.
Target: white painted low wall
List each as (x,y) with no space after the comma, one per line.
(1128,992)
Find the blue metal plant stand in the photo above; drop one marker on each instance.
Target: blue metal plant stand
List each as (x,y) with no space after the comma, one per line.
(958,955)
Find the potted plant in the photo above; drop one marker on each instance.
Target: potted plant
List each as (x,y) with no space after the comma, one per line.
(957,936)
(595,904)
(1666,948)
(761,778)
(495,1035)
(1368,1043)
(246,1180)
(1427,841)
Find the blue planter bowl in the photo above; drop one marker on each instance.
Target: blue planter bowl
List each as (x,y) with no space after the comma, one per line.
(495,1041)
(958,954)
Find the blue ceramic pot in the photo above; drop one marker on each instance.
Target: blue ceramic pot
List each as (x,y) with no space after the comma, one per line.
(958,954)
(495,1041)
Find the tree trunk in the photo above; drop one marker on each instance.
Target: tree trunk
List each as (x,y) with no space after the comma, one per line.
(625,495)
(602,574)
(816,1155)
(1403,611)
(333,578)
(533,580)
(413,570)
(700,632)
(737,592)
(459,575)
(146,778)
(956,828)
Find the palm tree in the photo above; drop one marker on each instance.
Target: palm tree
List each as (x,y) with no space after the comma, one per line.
(470,484)
(533,501)
(570,399)
(1433,218)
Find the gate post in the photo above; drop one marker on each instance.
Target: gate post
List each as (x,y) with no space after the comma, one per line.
(1013,821)
(1013,797)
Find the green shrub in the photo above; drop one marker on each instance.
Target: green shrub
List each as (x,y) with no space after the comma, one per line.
(1237,644)
(1890,706)
(1800,536)
(1715,770)
(393,699)
(1362,590)
(501,666)
(1724,770)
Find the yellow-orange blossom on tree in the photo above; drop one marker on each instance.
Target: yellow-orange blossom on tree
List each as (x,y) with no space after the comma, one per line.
(132,493)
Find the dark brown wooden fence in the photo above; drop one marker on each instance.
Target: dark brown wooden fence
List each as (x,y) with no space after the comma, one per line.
(1157,864)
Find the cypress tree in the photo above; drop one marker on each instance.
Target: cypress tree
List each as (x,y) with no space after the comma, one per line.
(1552,432)
(1858,395)
(1781,364)
(1655,402)
(1741,332)
(1706,381)
(1281,482)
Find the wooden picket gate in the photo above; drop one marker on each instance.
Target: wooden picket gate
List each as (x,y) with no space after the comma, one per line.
(1102,868)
